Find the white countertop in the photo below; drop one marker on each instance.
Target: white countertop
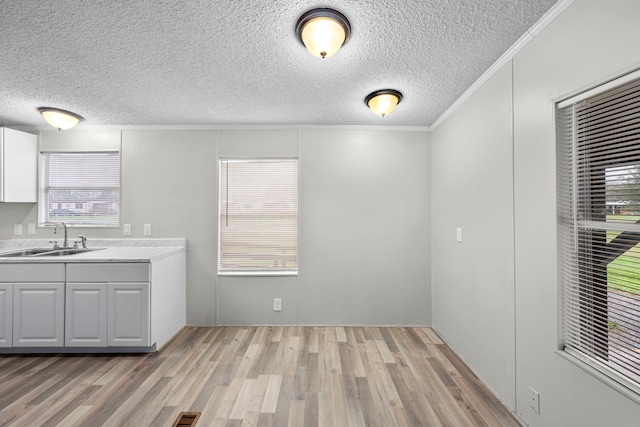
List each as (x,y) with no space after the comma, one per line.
(107,250)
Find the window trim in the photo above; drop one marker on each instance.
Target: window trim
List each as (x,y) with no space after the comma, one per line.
(41,186)
(258,273)
(627,385)
(255,273)
(598,89)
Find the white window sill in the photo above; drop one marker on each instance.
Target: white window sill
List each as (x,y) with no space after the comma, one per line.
(257,273)
(608,376)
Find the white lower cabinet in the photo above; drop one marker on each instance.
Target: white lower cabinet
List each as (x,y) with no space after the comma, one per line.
(107,314)
(38,314)
(86,315)
(105,306)
(108,304)
(6,314)
(32,305)
(128,315)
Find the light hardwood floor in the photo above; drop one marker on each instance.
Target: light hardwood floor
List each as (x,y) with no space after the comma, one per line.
(256,376)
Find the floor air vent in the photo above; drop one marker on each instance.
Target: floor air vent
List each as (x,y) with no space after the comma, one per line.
(187,419)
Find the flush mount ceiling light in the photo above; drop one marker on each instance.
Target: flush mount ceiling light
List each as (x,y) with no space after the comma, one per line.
(323,31)
(60,119)
(382,102)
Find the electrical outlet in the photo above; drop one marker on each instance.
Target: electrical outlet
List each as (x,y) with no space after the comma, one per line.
(17,229)
(147,229)
(277,304)
(535,400)
(126,229)
(31,228)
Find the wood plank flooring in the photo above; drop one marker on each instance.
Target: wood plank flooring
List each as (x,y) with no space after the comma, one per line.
(256,376)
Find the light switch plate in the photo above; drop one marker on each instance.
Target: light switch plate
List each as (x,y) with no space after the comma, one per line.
(17,229)
(147,229)
(31,228)
(126,229)
(459,234)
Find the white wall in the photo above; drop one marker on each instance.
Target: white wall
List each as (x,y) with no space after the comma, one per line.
(249,300)
(364,228)
(363,234)
(590,42)
(364,222)
(169,180)
(472,189)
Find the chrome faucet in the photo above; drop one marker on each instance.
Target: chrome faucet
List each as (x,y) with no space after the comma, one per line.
(83,241)
(65,244)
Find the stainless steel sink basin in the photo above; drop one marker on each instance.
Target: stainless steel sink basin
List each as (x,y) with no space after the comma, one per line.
(65,252)
(26,252)
(36,252)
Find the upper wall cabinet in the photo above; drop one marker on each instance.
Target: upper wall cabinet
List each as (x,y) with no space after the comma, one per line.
(18,166)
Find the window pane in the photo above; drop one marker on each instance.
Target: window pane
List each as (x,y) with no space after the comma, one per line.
(82,188)
(623,193)
(258,215)
(623,275)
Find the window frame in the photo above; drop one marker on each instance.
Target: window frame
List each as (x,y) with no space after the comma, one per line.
(571,244)
(219,218)
(43,213)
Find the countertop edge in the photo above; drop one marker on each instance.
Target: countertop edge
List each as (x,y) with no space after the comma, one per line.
(107,251)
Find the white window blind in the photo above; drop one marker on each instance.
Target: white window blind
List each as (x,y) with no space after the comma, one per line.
(81,188)
(258,215)
(598,154)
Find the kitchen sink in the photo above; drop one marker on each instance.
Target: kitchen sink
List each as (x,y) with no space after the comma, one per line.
(35,252)
(26,252)
(65,252)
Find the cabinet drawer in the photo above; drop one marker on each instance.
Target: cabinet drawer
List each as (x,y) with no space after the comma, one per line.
(109,272)
(32,272)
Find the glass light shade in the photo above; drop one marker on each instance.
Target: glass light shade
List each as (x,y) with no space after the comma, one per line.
(323,37)
(323,31)
(383,102)
(60,119)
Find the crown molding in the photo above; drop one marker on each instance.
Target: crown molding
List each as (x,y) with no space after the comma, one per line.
(527,37)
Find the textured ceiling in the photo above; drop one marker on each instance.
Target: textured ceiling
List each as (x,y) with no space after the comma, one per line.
(238,62)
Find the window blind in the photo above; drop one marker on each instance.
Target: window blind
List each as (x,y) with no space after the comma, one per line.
(598,155)
(81,188)
(258,217)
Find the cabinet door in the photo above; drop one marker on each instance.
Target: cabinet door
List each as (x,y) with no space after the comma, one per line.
(38,319)
(6,314)
(86,315)
(128,315)
(18,166)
